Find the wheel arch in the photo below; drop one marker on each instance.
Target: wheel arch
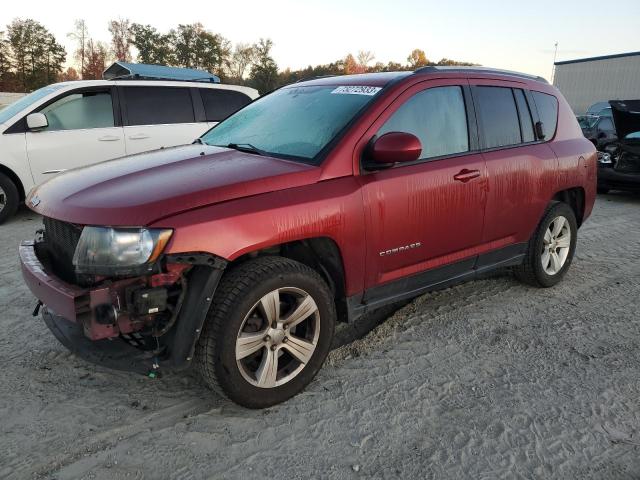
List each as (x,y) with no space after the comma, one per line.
(322,254)
(15,179)
(575,198)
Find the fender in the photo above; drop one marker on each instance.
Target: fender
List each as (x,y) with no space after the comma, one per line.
(331,208)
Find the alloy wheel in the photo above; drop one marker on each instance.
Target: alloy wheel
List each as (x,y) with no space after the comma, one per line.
(278,337)
(556,245)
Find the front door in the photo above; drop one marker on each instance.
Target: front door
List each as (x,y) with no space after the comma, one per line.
(430,213)
(82,130)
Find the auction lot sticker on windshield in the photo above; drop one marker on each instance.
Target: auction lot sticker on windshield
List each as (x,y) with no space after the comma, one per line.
(356,90)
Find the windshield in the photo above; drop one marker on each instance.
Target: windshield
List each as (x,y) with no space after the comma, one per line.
(293,122)
(587,121)
(19,105)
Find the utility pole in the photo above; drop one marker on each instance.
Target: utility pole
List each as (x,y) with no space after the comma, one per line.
(553,68)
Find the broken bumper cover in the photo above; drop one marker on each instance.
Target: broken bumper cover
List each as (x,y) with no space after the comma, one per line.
(69,312)
(608,177)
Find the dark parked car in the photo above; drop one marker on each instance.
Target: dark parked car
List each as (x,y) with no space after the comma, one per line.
(619,167)
(599,130)
(317,203)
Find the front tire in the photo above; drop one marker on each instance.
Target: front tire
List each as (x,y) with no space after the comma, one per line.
(551,249)
(268,331)
(9,198)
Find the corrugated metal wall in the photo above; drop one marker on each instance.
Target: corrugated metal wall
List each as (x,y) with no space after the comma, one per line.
(585,83)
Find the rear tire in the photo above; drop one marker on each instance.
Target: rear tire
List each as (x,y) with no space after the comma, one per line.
(550,250)
(252,349)
(9,198)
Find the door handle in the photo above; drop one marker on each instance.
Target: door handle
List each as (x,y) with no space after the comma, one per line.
(109,138)
(465,175)
(138,136)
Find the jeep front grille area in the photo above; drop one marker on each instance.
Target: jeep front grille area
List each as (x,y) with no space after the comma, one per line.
(61,239)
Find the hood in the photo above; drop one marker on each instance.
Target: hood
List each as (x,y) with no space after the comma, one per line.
(140,189)
(626,117)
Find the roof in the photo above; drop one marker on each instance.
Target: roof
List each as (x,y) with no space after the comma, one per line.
(482,70)
(142,71)
(595,59)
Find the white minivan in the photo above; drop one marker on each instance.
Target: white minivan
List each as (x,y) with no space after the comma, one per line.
(72,124)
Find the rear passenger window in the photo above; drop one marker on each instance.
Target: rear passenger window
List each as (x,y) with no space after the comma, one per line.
(499,116)
(438,118)
(219,103)
(158,105)
(547,106)
(526,124)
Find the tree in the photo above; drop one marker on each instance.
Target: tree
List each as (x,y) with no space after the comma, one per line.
(69,75)
(364,57)
(417,58)
(120,39)
(37,56)
(264,72)
(195,47)
(241,59)
(95,62)
(81,36)
(152,46)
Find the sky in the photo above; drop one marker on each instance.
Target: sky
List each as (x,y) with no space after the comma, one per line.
(510,35)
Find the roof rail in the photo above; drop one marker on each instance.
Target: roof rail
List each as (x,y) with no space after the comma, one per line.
(315,77)
(461,69)
(141,71)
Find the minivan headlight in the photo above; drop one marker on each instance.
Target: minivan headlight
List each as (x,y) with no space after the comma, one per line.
(106,250)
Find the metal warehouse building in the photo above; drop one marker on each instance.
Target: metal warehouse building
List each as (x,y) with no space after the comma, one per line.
(586,81)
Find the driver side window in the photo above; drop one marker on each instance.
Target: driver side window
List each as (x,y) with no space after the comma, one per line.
(80,110)
(438,118)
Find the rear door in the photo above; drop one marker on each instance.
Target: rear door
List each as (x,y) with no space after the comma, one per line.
(159,116)
(84,128)
(429,213)
(521,169)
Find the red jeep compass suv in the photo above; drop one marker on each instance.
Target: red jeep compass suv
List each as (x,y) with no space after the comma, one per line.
(314,204)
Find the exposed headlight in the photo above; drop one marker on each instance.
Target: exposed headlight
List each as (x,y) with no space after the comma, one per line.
(105,250)
(604,158)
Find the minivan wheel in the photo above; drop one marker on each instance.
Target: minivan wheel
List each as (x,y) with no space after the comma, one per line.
(9,198)
(267,333)
(550,250)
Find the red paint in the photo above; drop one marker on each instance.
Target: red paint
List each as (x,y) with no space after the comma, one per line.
(229,203)
(395,147)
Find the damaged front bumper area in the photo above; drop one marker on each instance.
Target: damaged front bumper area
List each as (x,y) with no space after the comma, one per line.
(134,324)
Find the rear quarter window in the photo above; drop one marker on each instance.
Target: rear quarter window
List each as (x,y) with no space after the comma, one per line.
(220,103)
(547,106)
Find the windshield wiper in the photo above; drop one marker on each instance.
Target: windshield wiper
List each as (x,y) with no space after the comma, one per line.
(246,147)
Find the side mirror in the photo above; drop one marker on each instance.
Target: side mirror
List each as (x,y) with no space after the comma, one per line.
(394,147)
(36,121)
(540,131)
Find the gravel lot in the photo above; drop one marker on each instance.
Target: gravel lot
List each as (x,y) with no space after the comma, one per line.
(489,379)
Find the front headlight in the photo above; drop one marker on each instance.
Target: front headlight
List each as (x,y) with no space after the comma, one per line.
(105,250)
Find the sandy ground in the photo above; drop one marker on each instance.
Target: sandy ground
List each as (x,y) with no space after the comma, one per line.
(489,379)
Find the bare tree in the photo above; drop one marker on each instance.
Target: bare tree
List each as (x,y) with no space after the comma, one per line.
(81,36)
(121,39)
(241,59)
(364,57)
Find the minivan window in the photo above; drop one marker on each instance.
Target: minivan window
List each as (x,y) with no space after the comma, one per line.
(438,118)
(547,106)
(294,122)
(220,103)
(80,110)
(22,103)
(499,116)
(526,124)
(158,105)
